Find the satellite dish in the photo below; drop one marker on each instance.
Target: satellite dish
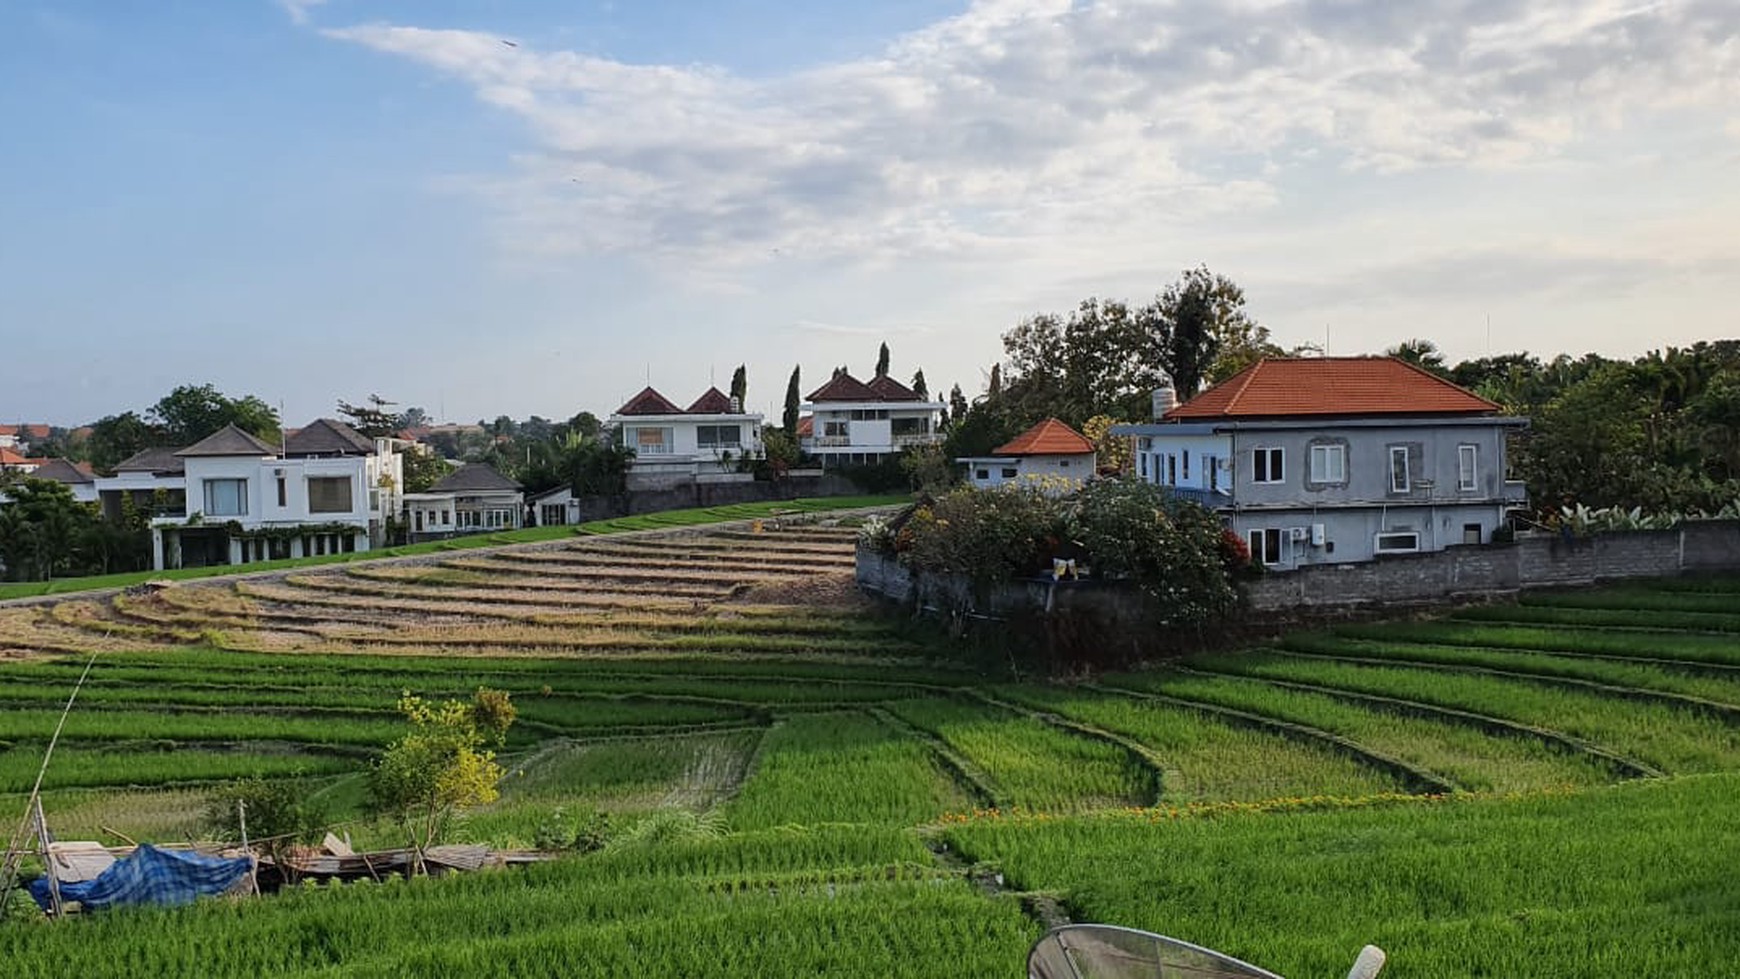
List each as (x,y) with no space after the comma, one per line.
(1110,952)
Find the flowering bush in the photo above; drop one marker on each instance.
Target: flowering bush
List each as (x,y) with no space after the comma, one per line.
(987,535)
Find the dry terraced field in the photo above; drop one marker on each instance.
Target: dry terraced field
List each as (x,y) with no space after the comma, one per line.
(796,784)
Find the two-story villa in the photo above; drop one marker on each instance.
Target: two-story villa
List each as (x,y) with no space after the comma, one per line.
(326,489)
(674,446)
(854,423)
(1336,459)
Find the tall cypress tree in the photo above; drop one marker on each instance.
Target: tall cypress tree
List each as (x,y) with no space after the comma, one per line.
(791,404)
(882,361)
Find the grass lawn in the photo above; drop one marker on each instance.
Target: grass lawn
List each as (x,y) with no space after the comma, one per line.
(530,535)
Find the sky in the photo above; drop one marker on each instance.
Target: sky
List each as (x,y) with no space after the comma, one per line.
(485,207)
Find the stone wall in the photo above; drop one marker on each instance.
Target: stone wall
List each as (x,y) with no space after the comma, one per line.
(1543,561)
(1457,573)
(691,494)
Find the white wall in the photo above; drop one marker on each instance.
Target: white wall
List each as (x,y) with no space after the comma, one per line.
(261,475)
(1188,456)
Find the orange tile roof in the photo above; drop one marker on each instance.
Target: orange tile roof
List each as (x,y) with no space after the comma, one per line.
(1345,386)
(806,426)
(1048,438)
(11,458)
(33,431)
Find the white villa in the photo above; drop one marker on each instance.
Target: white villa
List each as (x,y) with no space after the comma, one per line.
(1050,455)
(325,490)
(471,499)
(675,446)
(854,423)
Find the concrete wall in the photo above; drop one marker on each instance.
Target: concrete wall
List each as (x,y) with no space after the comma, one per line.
(1495,569)
(703,493)
(1413,579)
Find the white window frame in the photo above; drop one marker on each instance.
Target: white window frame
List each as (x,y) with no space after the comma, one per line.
(1405,484)
(241,510)
(1322,456)
(1260,550)
(1467,467)
(1379,546)
(664,447)
(350,493)
(1273,468)
(709,436)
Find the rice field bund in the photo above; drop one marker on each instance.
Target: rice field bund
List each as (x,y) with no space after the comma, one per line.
(753,773)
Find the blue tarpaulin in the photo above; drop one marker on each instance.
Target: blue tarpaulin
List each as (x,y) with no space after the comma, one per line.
(149,876)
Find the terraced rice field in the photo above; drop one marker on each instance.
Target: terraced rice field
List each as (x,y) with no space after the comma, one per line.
(797,785)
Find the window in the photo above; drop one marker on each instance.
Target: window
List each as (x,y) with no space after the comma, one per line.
(1063,463)
(1187,465)
(652,441)
(1212,464)
(1266,545)
(1143,458)
(1267,466)
(1399,469)
(709,436)
(834,430)
(552,514)
(869,414)
(1467,458)
(1171,469)
(226,497)
(329,494)
(1471,533)
(982,474)
(1397,543)
(283,490)
(1010,472)
(1329,463)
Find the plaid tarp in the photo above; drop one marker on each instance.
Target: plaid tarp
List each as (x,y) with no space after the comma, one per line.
(149,876)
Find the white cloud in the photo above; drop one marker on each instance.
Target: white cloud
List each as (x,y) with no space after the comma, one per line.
(298,9)
(1022,120)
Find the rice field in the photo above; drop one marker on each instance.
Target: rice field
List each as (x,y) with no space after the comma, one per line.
(794,784)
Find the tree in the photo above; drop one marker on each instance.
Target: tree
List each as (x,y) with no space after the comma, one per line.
(994,386)
(958,406)
(280,813)
(1185,325)
(423,468)
(372,418)
(927,468)
(1421,353)
(882,361)
(1114,451)
(740,386)
(585,424)
(792,400)
(919,387)
(189,413)
(116,437)
(40,529)
(444,764)
(413,418)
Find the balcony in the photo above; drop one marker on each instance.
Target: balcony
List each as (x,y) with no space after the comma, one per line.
(917,438)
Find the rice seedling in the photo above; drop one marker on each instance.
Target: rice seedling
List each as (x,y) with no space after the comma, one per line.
(1207,759)
(1471,758)
(1671,739)
(1031,765)
(1650,645)
(842,767)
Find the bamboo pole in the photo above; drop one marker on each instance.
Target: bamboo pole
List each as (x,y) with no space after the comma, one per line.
(253,865)
(48,862)
(33,803)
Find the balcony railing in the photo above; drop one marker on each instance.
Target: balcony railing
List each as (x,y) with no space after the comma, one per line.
(918,438)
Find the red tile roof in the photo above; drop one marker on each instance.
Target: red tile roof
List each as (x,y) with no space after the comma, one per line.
(888,389)
(1048,438)
(11,458)
(649,402)
(714,402)
(1346,386)
(806,426)
(844,387)
(26,431)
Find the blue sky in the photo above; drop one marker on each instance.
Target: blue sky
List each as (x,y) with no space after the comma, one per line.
(313,201)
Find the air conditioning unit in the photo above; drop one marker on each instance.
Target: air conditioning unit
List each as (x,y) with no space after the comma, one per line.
(1296,533)
(278,472)
(1317,535)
